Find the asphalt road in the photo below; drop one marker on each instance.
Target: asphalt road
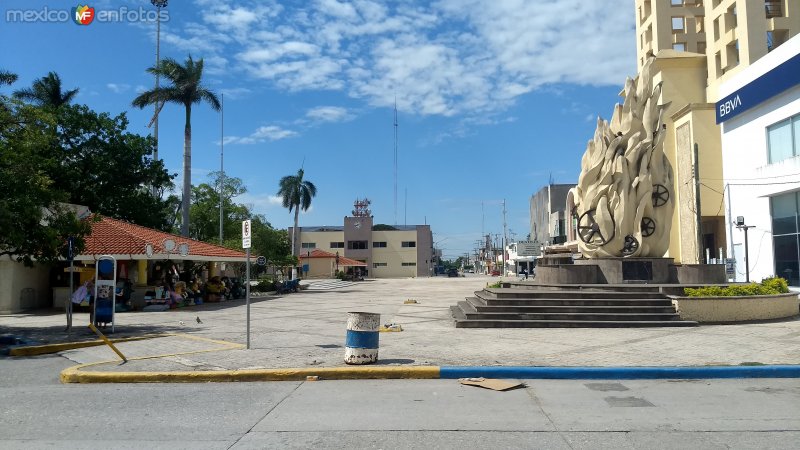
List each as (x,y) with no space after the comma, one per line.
(38,412)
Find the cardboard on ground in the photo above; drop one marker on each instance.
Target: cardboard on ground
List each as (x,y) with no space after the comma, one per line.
(488,383)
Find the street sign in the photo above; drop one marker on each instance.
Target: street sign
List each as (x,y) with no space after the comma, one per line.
(261,260)
(246,233)
(529,248)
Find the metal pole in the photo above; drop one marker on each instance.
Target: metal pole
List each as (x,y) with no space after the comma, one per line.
(505,239)
(700,258)
(746,257)
(158,60)
(247,297)
(71,290)
(221,166)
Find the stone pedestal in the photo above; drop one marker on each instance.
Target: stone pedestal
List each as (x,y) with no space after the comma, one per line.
(630,270)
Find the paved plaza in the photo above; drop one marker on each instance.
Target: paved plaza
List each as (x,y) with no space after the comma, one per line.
(307,329)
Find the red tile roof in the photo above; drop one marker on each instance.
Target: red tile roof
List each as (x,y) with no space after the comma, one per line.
(116,237)
(317,253)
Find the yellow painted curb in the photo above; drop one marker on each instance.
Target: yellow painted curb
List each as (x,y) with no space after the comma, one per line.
(33,350)
(75,375)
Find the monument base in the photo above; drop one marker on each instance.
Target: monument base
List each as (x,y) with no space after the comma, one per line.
(631,270)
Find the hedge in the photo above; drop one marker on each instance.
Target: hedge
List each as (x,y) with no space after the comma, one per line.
(768,286)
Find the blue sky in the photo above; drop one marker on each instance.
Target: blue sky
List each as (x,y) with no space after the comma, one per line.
(494,96)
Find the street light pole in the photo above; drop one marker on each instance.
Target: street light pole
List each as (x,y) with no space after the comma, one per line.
(158,4)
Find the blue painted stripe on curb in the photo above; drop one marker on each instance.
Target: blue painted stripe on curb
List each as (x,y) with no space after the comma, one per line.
(361,339)
(621,373)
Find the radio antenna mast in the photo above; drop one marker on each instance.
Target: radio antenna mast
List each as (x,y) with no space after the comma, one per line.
(395,160)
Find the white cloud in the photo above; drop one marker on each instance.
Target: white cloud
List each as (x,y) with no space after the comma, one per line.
(329,114)
(448,57)
(261,134)
(235,93)
(118,88)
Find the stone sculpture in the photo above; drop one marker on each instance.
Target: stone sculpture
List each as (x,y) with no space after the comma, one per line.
(624,199)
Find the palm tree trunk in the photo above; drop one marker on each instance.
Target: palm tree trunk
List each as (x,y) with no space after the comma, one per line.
(296,231)
(187,172)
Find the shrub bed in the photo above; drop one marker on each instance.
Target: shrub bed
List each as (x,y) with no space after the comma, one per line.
(768,286)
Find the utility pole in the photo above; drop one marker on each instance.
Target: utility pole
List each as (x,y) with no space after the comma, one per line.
(700,258)
(505,239)
(221,165)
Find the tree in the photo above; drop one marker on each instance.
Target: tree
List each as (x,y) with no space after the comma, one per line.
(296,194)
(110,170)
(34,224)
(46,91)
(185,89)
(204,212)
(7,77)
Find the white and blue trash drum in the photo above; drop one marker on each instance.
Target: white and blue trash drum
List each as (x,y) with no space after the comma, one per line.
(361,346)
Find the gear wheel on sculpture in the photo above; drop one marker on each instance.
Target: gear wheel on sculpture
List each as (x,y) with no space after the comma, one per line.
(660,195)
(648,226)
(631,245)
(589,229)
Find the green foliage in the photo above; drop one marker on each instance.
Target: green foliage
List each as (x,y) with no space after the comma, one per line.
(34,225)
(341,275)
(204,211)
(265,285)
(103,166)
(768,286)
(296,194)
(47,92)
(495,285)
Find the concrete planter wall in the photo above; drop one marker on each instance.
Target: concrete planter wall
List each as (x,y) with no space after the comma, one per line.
(737,309)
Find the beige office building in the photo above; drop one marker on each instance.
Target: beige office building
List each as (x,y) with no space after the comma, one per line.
(389,251)
(699,44)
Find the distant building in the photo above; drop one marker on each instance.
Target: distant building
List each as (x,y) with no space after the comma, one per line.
(549,219)
(389,251)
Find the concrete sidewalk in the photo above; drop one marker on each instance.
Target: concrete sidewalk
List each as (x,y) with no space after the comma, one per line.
(306,331)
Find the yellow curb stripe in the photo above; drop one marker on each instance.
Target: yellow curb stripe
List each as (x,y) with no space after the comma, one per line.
(33,350)
(73,375)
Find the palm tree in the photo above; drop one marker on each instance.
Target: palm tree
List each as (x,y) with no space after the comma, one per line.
(7,77)
(184,89)
(46,91)
(296,194)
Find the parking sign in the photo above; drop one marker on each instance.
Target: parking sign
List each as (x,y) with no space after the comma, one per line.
(246,233)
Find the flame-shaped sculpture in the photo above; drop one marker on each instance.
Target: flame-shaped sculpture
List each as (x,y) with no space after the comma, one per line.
(624,197)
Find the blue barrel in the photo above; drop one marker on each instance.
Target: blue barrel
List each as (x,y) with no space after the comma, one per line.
(361,346)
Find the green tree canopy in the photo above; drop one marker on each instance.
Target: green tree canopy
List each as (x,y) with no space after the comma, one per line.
(34,225)
(47,91)
(110,170)
(296,193)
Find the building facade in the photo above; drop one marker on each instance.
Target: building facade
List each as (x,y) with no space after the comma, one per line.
(760,116)
(549,218)
(389,251)
(698,46)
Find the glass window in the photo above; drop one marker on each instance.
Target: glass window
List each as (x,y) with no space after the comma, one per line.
(379,244)
(679,46)
(796,133)
(376,265)
(779,141)
(677,24)
(357,245)
(784,213)
(786,258)
(337,244)
(308,245)
(409,264)
(408,244)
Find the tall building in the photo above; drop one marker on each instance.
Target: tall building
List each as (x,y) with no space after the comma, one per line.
(548,216)
(698,45)
(389,251)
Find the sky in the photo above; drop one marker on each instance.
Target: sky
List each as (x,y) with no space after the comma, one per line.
(494,98)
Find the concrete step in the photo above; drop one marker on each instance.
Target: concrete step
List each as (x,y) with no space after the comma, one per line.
(517,293)
(589,317)
(578,302)
(483,308)
(570,323)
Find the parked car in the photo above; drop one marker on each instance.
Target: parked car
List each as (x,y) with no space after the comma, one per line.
(495,273)
(452,273)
